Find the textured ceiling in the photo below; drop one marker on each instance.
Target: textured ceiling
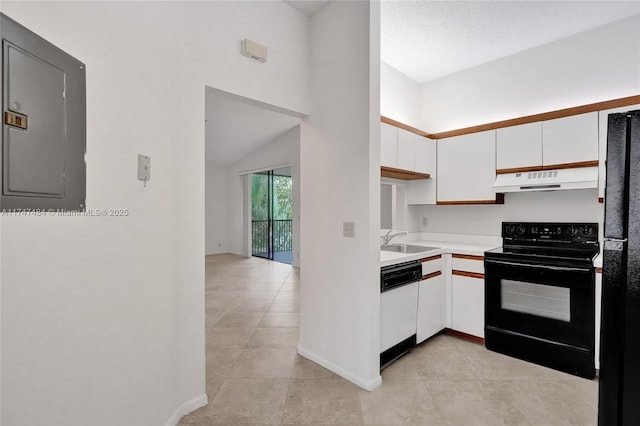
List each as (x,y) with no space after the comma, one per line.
(426,40)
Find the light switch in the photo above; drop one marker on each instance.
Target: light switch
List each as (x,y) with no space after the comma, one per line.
(349,229)
(144,167)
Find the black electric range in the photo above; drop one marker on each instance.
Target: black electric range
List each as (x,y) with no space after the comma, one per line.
(540,294)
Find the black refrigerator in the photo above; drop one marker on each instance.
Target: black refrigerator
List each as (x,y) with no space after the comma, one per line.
(619,393)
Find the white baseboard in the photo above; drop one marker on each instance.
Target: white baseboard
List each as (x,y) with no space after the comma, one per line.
(186,408)
(368,385)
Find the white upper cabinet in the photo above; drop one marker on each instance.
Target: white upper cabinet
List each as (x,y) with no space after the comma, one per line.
(412,156)
(425,156)
(562,141)
(423,191)
(467,167)
(406,149)
(602,143)
(571,139)
(519,146)
(388,145)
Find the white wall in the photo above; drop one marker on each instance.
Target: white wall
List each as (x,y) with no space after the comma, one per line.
(593,66)
(103,317)
(553,206)
(399,96)
(340,159)
(284,150)
(216,221)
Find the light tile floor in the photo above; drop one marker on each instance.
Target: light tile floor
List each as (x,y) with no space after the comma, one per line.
(255,377)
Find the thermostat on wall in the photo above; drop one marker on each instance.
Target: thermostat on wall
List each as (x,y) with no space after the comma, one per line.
(254,50)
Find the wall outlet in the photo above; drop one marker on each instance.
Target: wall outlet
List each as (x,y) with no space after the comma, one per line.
(425,221)
(348,229)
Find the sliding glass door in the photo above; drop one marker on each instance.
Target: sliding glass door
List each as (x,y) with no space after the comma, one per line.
(271,214)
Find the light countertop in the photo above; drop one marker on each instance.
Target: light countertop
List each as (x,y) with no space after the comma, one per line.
(477,249)
(447,243)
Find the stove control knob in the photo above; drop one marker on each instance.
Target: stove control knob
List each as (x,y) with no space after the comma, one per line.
(587,230)
(520,229)
(509,230)
(573,231)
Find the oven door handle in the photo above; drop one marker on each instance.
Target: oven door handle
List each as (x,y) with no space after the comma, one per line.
(529,265)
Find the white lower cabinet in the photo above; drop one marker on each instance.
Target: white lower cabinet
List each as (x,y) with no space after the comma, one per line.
(431,307)
(467,304)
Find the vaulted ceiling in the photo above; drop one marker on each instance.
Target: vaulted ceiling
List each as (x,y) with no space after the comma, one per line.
(424,40)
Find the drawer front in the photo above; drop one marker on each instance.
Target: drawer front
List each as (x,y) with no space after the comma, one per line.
(431,265)
(461,262)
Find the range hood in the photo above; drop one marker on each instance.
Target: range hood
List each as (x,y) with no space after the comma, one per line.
(547,180)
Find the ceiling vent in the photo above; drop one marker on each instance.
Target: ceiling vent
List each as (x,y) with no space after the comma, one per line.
(254,50)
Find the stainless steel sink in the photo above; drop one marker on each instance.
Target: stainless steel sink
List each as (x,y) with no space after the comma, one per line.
(406,248)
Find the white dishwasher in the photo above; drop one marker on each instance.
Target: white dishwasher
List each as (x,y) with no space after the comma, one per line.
(398,310)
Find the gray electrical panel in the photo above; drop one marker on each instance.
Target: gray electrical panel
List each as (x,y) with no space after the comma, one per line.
(43,124)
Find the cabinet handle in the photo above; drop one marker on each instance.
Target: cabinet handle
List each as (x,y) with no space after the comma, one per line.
(431,275)
(468,274)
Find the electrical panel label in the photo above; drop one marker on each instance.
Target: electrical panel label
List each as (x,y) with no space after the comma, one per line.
(16,120)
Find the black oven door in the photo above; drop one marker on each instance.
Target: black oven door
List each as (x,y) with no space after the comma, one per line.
(543,313)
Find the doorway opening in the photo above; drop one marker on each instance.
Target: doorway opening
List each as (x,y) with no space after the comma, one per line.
(272,214)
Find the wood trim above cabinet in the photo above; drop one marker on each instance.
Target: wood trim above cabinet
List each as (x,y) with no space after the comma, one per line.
(431,275)
(577,165)
(499,200)
(468,256)
(427,259)
(593,163)
(467,274)
(519,170)
(403,126)
(463,335)
(390,172)
(551,115)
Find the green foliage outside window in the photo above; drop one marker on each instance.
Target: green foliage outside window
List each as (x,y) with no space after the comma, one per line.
(282,197)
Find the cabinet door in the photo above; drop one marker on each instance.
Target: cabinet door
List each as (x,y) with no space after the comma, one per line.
(467,167)
(388,145)
(519,146)
(467,305)
(423,191)
(602,143)
(406,149)
(570,139)
(431,307)
(424,155)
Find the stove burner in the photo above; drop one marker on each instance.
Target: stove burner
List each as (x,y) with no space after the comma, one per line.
(548,242)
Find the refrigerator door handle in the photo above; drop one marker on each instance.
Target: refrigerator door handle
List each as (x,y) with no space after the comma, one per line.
(611,244)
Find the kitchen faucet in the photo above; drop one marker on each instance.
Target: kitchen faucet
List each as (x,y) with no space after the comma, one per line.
(387,238)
